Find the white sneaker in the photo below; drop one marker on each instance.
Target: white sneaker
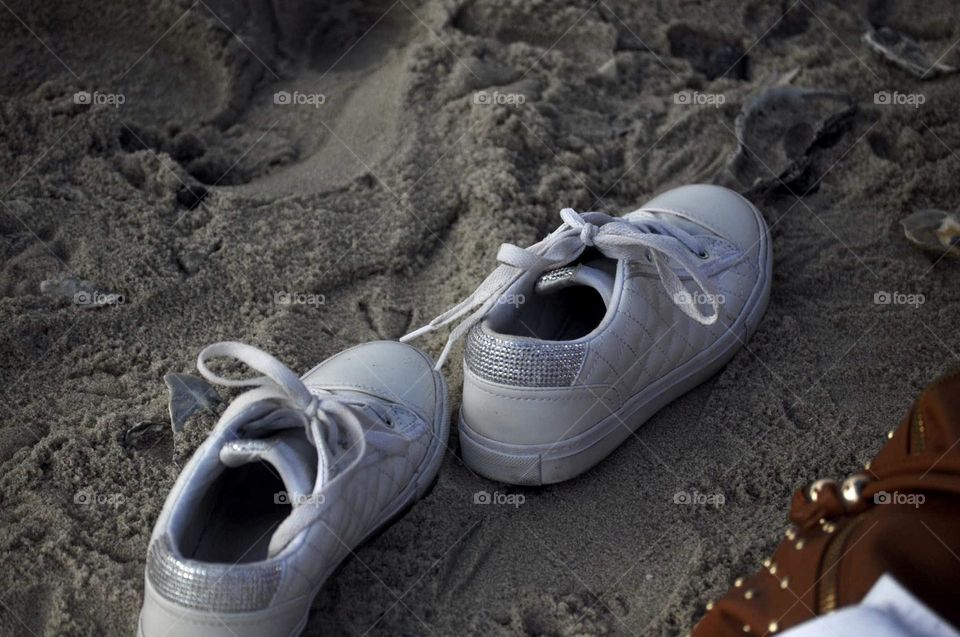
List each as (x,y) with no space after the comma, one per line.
(577,340)
(296,474)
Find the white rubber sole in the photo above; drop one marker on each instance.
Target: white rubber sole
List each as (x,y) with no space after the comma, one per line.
(556,462)
(259,622)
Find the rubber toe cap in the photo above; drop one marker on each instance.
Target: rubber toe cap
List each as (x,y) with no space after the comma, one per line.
(721,210)
(391,370)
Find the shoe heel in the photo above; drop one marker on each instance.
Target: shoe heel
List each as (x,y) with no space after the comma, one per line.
(510,468)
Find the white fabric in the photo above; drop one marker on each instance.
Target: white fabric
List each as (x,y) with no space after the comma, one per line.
(888,610)
(642,236)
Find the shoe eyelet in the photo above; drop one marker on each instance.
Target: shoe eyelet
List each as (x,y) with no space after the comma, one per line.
(703,254)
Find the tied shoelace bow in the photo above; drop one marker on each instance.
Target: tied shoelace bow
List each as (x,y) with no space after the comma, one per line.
(324,419)
(642,237)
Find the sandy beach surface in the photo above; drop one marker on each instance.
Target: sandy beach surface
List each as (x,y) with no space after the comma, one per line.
(305,176)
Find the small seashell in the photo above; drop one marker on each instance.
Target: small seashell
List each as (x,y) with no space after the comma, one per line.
(188,395)
(778,129)
(934,231)
(903,51)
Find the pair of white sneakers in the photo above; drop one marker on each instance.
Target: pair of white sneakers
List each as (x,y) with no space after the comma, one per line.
(571,344)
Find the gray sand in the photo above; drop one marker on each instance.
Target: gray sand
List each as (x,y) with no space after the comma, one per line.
(388,202)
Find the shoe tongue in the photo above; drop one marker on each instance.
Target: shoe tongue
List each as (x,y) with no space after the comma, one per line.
(573,275)
(288,452)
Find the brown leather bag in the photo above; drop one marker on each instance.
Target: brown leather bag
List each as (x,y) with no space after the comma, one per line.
(900,516)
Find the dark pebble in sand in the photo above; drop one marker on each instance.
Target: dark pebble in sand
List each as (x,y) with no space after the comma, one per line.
(190,196)
(783,19)
(709,53)
(143,436)
(213,168)
(133,138)
(188,395)
(187,146)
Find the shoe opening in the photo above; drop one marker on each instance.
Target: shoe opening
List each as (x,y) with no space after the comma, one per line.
(560,305)
(236,516)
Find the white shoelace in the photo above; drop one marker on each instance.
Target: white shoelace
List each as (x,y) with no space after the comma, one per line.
(642,237)
(324,419)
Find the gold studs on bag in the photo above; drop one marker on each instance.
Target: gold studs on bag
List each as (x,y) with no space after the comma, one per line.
(852,488)
(813,492)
